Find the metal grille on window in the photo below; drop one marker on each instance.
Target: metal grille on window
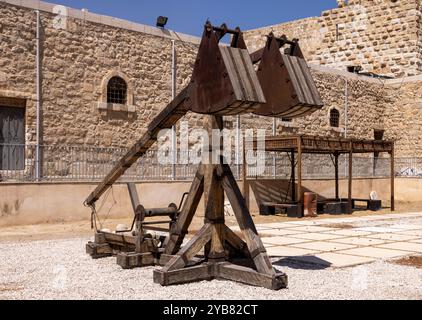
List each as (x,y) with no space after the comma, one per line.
(334,118)
(116,91)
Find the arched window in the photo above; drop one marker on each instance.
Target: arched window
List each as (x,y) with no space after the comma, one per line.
(334,118)
(117,91)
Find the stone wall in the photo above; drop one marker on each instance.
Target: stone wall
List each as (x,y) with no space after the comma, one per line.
(76,59)
(381,36)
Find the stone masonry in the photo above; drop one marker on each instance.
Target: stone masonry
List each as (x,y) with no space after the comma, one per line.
(77,60)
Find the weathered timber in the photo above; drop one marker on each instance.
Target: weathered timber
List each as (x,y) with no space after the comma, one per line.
(232,272)
(246,224)
(180,228)
(173,277)
(134,260)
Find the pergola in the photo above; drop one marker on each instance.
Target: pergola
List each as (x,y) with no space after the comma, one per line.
(299,145)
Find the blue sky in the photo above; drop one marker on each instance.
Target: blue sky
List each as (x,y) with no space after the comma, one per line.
(188,16)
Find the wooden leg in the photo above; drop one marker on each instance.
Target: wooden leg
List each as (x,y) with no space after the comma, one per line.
(180,229)
(244,219)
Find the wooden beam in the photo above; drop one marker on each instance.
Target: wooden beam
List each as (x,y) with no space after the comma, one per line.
(246,191)
(249,276)
(293,175)
(185,275)
(350,180)
(299,169)
(336,156)
(168,117)
(246,224)
(214,193)
(180,229)
(392,177)
(182,258)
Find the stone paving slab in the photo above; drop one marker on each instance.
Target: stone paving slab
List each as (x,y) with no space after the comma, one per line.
(317,236)
(284,251)
(360,241)
(377,229)
(406,227)
(278,232)
(416,233)
(336,260)
(392,237)
(280,225)
(284,240)
(349,232)
(404,246)
(323,246)
(312,229)
(373,252)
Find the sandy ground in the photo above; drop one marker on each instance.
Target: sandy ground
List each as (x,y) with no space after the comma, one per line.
(83,228)
(49,262)
(60,269)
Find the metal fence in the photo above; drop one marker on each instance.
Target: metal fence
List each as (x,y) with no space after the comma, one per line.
(84,163)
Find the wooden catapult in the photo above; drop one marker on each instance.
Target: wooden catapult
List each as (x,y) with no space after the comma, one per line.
(224,82)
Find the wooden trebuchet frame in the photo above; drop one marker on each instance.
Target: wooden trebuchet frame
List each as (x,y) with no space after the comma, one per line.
(223,83)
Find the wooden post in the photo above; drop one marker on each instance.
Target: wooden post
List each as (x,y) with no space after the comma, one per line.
(214,194)
(349,198)
(393,174)
(293,175)
(336,156)
(299,169)
(245,176)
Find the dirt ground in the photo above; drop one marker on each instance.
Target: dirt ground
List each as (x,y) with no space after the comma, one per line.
(83,228)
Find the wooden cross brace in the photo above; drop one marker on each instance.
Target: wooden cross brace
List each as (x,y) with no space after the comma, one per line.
(226,255)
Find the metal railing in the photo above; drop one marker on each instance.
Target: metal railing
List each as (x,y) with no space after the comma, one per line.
(61,163)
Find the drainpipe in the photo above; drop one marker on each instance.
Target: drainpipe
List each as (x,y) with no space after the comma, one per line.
(173,95)
(38,104)
(346,115)
(346,107)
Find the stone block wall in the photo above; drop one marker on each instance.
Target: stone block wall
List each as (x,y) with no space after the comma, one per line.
(76,59)
(381,36)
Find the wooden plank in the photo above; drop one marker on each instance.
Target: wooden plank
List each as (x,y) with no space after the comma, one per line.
(135,260)
(259,94)
(288,63)
(243,75)
(177,234)
(191,249)
(392,177)
(350,180)
(232,73)
(336,172)
(302,84)
(249,276)
(244,219)
(299,169)
(186,275)
(119,239)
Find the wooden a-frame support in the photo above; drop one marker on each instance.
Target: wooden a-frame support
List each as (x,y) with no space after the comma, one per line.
(226,255)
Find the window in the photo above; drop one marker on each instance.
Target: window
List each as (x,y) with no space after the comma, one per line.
(378,135)
(117,91)
(12,138)
(334,118)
